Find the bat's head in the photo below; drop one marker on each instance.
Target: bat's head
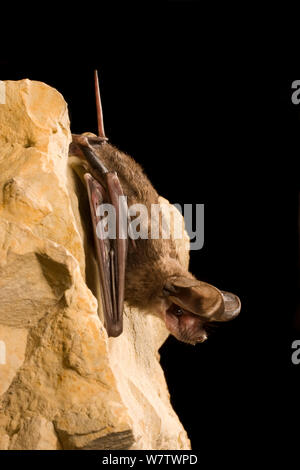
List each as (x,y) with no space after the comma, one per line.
(191,305)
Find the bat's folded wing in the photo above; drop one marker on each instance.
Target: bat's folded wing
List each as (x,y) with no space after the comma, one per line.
(111,250)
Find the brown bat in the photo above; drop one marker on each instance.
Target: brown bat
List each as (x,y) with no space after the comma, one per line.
(146,273)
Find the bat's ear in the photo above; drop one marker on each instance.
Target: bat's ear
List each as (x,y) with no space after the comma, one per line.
(203,299)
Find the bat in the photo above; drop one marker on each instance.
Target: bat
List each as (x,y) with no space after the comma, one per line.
(144,272)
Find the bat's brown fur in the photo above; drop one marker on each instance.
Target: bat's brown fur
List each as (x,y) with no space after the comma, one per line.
(152,262)
(156,281)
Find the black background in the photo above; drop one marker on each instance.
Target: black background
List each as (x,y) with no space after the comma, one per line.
(210,124)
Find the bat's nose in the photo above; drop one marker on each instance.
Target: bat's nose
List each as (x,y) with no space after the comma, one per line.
(202,338)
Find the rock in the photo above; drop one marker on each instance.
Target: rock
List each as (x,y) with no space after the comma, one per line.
(15,341)
(64,384)
(35,434)
(4,441)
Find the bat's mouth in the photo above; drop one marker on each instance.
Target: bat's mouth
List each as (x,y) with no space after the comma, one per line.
(184,325)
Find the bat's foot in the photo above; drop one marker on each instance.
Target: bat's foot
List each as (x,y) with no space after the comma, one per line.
(80,139)
(83,146)
(78,142)
(88,139)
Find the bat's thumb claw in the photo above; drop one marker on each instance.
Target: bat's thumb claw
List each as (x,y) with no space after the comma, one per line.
(114,330)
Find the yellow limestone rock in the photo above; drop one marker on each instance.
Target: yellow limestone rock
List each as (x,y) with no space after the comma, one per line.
(63,383)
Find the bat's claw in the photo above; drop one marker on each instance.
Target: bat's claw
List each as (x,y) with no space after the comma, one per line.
(88,139)
(114,330)
(80,139)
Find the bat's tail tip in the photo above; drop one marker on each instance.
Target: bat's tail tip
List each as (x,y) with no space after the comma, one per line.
(101,132)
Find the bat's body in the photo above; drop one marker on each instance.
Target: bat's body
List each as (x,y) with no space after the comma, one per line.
(155,280)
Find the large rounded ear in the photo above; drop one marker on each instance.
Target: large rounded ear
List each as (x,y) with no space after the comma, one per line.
(232,306)
(202,299)
(180,281)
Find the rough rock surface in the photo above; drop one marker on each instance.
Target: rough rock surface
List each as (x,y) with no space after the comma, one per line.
(64,384)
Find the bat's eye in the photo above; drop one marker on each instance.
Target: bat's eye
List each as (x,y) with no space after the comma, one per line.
(178,312)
